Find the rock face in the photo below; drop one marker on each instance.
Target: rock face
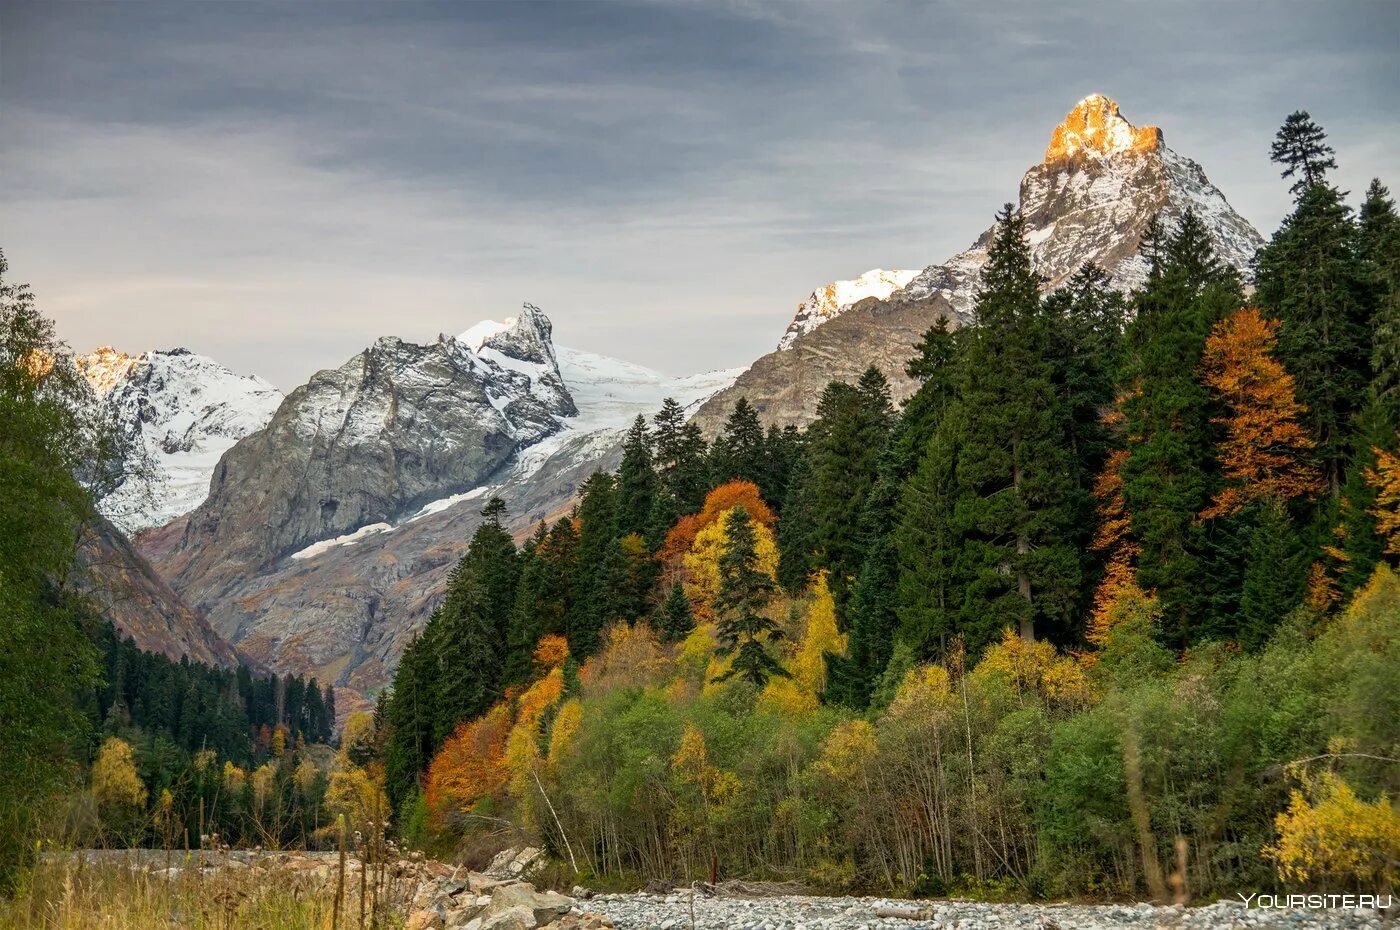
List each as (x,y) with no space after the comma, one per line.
(328,537)
(1090,199)
(125,590)
(184,411)
(836,298)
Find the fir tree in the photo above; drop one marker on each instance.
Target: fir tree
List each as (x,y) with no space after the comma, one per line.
(744,592)
(1310,277)
(675,618)
(1017,495)
(473,625)
(845,446)
(1274,580)
(680,458)
(636,480)
(739,452)
(797,530)
(1301,147)
(1169,474)
(601,565)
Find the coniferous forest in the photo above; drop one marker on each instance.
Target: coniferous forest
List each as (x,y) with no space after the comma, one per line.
(1108,607)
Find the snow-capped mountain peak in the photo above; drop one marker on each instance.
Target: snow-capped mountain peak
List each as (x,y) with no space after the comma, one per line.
(836,298)
(185,410)
(1095,129)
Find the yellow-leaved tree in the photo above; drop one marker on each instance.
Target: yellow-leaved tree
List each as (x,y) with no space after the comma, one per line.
(1034,668)
(1328,833)
(799,695)
(701,563)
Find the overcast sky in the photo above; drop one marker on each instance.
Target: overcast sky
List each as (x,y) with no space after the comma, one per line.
(277,184)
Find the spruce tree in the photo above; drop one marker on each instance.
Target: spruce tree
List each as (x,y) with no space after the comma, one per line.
(601,565)
(1275,577)
(637,481)
(474,624)
(1310,277)
(680,458)
(744,592)
(675,619)
(1170,473)
(739,452)
(797,529)
(527,614)
(845,446)
(1017,497)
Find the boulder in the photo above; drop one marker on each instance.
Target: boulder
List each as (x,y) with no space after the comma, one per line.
(545,907)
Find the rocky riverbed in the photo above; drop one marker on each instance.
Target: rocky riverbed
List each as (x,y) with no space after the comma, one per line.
(674,912)
(435,896)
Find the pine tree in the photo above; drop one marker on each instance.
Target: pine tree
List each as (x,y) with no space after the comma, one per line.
(637,482)
(929,600)
(675,618)
(1310,278)
(527,614)
(1301,147)
(744,592)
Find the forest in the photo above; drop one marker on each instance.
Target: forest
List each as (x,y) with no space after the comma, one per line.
(1106,607)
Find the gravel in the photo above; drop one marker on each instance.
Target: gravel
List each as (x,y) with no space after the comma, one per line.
(673,912)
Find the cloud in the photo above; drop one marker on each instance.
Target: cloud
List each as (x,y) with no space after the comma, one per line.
(666,179)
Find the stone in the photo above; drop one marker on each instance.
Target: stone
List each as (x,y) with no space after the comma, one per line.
(545,907)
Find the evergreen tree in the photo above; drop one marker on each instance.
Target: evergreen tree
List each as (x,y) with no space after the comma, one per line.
(527,614)
(845,446)
(739,452)
(797,530)
(675,618)
(1017,498)
(1310,277)
(744,592)
(637,482)
(601,565)
(680,459)
(1169,474)
(409,716)
(1274,579)
(474,624)
(1301,147)
(1376,427)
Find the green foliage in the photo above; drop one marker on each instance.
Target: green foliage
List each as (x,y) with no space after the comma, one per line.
(744,591)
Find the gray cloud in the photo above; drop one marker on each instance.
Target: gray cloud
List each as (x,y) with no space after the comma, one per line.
(277,184)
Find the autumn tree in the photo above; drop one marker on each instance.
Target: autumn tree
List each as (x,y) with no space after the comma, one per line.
(1264,452)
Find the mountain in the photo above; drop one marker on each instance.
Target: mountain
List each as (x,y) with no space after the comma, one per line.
(182,410)
(837,297)
(328,536)
(1091,198)
(125,590)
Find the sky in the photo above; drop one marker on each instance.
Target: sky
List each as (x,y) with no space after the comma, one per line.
(278,184)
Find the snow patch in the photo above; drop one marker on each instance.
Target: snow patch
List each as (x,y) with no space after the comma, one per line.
(317,548)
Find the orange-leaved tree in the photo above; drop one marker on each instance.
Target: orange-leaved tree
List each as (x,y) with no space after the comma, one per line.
(1113,539)
(469,766)
(1265,450)
(718,502)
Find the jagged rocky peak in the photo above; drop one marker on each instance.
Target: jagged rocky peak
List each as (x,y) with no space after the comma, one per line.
(184,410)
(1095,129)
(1090,200)
(105,368)
(837,297)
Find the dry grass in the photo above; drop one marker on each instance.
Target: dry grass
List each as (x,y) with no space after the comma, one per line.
(70,893)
